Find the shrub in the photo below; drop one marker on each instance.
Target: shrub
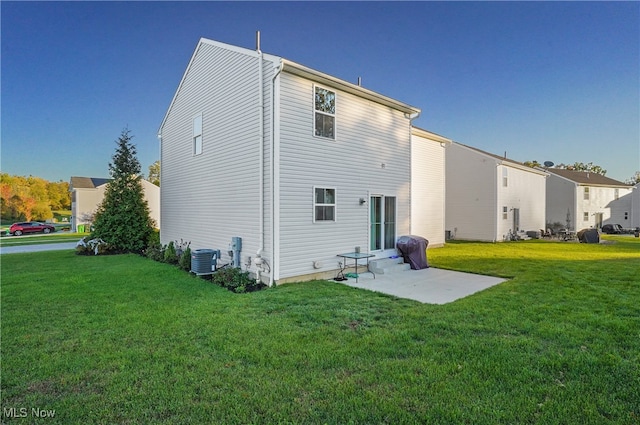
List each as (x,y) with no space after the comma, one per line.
(185,260)
(154,250)
(87,246)
(235,280)
(170,255)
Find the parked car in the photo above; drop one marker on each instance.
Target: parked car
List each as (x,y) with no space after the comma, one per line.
(612,229)
(18,229)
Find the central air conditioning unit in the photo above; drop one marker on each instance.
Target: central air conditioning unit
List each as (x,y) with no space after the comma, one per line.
(204,261)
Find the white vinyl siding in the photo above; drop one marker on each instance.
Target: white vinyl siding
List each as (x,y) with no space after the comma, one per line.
(635,206)
(471,202)
(525,193)
(602,200)
(427,189)
(476,195)
(219,187)
(561,201)
(370,135)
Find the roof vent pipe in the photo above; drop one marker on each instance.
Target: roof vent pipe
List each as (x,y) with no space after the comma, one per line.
(258,41)
(359,81)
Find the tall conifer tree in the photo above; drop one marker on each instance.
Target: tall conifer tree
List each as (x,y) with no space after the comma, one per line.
(122,220)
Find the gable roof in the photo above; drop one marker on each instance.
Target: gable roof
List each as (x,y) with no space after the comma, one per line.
(503,160)
(311,74)
(421,132)
(86,182)
(285,65)
(586,178)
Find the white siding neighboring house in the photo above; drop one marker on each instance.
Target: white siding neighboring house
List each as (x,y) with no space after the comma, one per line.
(428,185)
(299,164)
(635,206)
(587,200)
(87,194)
(489,196)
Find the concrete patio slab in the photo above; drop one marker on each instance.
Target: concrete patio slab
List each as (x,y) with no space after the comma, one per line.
(429,286)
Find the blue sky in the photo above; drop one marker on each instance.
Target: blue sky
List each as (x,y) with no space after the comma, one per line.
(550,81)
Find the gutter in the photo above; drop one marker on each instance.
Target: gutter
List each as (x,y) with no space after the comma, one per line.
(312,74)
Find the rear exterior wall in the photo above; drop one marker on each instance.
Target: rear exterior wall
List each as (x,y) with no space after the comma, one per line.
(370,155)
(525,191)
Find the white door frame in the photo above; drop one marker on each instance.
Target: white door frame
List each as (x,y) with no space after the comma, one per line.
(384,218)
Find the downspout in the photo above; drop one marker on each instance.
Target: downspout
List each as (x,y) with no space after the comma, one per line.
(272,166)
(258,260)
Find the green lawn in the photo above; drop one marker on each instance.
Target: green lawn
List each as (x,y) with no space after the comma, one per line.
(122,339)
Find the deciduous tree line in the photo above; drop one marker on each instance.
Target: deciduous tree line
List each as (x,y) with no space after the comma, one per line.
(32,198)
(580,166)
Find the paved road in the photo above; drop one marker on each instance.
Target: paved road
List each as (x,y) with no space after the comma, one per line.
(37,248)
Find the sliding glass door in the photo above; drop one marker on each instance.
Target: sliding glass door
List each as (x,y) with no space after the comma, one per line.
(383,222)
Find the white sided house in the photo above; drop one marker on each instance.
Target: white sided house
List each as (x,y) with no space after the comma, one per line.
(585,200)
(635,206)
(428,185)
(490,197)
(300,165)
(87,194)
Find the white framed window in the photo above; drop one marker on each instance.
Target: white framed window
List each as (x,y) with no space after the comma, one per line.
(586,193)
(616,194)
(324,102)
(324,204)
(585,216)
(505,212)
(505,177)
(197,134)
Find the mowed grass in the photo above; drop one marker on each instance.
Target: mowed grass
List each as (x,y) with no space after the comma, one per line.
(122,339)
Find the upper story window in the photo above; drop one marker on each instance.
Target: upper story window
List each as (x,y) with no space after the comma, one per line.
(616,193)
(586,193)
(505,177)
(325,113)
(324,204)
(197,134)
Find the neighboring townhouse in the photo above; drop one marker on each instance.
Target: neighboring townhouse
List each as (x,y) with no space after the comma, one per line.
(87,194)
(428,185)
(491,197)
(299,164)
(635,206)
(587,200)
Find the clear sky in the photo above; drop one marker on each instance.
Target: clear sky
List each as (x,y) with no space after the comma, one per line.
(545,81)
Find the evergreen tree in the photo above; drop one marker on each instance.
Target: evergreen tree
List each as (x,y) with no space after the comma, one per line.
(122,220)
